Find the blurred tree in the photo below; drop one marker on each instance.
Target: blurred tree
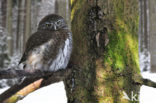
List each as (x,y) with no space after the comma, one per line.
(9,26)
(3,10)
(27,20)
(18,24)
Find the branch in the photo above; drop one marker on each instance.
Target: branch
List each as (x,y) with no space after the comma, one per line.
(11,73)
(149,83)
(11,91)
(44,81)
(138,79)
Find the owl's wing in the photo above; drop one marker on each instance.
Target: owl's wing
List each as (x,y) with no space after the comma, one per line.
(41,37)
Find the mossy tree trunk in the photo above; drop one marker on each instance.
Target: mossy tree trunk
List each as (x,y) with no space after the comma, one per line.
(104,72)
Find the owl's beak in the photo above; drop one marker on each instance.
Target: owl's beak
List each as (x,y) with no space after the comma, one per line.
(54,27)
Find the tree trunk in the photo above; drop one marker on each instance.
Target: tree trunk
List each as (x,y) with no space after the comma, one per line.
(27,20)
(62,8)
(3,25)
(3,10)
(18,25)
(104,72)
(9,26)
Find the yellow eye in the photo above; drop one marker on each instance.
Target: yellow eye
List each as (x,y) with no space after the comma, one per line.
(48,25)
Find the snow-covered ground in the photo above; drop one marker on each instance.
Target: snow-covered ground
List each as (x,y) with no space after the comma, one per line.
(54,93)
(148,94)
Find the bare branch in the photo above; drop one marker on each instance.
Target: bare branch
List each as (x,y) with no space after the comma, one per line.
(139,80)
(48,78)
(149,83)
(11,73)
(11,91)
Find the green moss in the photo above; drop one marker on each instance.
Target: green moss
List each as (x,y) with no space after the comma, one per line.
(121,54)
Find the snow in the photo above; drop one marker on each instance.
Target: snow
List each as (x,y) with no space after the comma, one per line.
(145,58)
(148,94)
(4,89)
(54,93)
(148,75)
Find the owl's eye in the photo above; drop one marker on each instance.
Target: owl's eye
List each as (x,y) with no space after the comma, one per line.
(48,25)
(58,23)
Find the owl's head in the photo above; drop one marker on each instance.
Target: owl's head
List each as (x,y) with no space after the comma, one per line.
(52,22)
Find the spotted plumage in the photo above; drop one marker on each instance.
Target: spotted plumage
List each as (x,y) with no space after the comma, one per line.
(50,47)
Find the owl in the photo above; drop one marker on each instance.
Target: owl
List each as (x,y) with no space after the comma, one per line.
(49,48)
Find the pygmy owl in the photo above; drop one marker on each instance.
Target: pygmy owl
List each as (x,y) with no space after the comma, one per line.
(50,47)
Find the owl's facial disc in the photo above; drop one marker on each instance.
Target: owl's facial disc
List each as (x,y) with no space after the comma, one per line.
(52,22)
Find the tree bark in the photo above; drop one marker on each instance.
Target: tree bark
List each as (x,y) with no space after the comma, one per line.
(104,72)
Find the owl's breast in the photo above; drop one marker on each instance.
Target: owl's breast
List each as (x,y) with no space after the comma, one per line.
(49,56)
(36,58)
(34,61)
(63,56)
